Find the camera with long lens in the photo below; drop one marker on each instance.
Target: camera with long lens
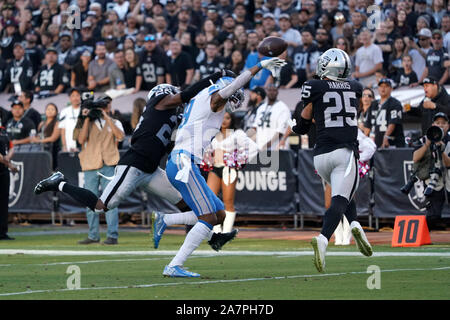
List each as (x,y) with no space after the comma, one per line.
(435,134)
(428,169)
(95,107)
(406,189)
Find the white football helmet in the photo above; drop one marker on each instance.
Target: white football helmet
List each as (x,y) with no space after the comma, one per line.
(334,64)
(236,99)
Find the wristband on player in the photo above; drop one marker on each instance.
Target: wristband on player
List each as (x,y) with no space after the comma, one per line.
(191,91)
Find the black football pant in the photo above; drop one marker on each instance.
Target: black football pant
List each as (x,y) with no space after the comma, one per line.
(4,199)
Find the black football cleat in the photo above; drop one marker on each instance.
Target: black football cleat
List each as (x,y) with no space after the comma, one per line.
(218,240)
(49,184)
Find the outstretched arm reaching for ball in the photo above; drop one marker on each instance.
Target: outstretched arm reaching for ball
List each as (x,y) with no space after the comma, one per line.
(219,98)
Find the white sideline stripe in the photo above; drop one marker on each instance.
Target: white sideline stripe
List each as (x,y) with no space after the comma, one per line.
(91,261)
(211,252)
(217,281)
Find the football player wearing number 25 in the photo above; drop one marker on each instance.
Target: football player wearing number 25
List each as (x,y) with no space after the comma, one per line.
(333,101)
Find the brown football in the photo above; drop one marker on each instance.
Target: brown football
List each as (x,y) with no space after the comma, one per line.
(272,46)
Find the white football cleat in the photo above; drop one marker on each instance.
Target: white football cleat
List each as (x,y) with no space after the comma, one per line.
(360,238)
(319,245)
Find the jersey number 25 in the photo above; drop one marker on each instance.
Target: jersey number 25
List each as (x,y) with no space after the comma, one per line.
(332,119)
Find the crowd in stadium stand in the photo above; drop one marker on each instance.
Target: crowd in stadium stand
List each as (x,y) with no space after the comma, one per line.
(50,47)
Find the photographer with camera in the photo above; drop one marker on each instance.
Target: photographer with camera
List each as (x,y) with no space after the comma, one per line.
(436,100)
(431,161)
(98,134)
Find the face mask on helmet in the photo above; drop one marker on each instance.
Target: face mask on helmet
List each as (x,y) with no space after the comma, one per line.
(235,101)
(334,64)
(162,89)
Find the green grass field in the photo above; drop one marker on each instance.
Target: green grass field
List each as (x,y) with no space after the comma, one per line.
(246,269)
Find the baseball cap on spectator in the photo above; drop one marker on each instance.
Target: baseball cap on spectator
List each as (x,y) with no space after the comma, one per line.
(86,24)
(95,4)
(386,81)
(269,15)
(259,12)
(212,8)
(437,31)
(10,23)
(51,49)
(259,91)
(65,34)
(16,103)
(440,115)
(86,53)
(91,14)
(424,32)
(170,1)
(430,79)
(284,16)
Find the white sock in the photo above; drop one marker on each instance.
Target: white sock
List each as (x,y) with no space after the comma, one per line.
(194,238)
(346,232)
(189,218)
(61,185)
(338,234)
(217,228)
(229,221)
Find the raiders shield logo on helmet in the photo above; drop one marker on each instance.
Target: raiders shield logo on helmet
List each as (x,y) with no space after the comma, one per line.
(16,183)
(416,196)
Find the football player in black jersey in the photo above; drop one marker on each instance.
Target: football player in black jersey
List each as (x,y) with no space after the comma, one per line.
(333,101)
(139,166)
(384,118)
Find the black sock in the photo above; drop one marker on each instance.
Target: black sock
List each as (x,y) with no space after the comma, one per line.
(333,215)
(83,196)
(350,213)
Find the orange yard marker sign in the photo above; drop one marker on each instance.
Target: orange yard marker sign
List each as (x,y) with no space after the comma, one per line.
(410,231)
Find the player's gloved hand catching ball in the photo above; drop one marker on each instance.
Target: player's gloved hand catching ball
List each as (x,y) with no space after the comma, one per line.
(272,64)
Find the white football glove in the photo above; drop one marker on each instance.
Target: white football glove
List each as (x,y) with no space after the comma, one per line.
(272,65)
(292,123)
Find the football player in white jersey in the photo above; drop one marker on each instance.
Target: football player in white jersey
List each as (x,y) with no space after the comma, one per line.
(202,120)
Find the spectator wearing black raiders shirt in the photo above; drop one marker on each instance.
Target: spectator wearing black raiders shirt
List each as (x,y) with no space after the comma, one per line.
(153,67)
(10,37)
(435,59)
(52,78)
(436,100)
(68,56)
(211,63)
(26,97)
(406,75)
(384,118)
(19,127)
(304,56)
(33,52)
(19,71)
(181,66)
(287,77)
(184,24)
